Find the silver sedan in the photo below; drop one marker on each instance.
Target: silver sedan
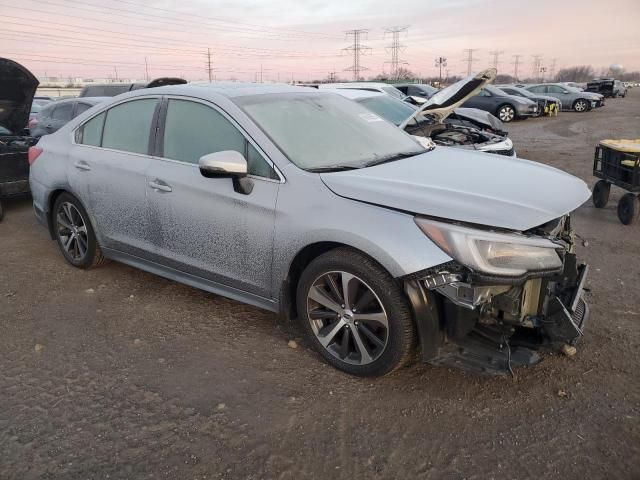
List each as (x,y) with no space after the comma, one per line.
(305,203)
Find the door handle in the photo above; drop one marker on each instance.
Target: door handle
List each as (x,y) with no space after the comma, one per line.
(80,165)
(159,185)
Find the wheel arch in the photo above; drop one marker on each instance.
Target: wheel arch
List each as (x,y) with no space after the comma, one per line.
(51,200)
(299,262)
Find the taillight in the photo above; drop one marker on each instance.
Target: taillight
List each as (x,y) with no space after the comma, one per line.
(34,153)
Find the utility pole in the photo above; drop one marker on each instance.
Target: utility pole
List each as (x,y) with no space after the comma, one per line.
(516,64)
(260,73)
(357,49)
(146,68)
(469,59)
(115,69)
(496,58)
(441,62)
(209,63)
(395,48)
(535,65)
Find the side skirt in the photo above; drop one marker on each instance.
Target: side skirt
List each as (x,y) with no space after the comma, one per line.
(191,280)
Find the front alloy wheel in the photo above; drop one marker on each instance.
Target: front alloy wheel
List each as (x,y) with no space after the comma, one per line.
(347,318)
(506,113)
(355,314)
(581,106)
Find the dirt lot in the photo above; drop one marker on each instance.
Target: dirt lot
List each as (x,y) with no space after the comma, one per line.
(115,373)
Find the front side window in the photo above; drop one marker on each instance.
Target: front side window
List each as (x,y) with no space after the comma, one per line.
(554,89)
(193,130)
(323,130)
(62,112)
(128,125)
(538,89)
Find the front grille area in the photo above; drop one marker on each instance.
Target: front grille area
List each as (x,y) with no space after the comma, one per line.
(578,315)
(506,153)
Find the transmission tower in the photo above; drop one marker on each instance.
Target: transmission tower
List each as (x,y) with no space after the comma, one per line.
(516,64)
(395,48)
(552,69)
(469,59)
(357,49)
(495,58)
(535,65)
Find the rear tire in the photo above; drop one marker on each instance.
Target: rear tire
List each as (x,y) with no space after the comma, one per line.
(74,233)
(374,333)
(601,192)
(629,208)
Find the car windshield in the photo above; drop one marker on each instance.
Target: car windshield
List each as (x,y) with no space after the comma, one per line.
(520,91)
(394,92)
(327,131)
(395,111)
(494,91)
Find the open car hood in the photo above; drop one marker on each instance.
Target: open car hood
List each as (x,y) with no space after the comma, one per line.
(17,88)
(466,186)
(442,103)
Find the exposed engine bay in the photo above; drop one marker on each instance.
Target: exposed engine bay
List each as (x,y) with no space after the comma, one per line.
(456,135)
(491,324)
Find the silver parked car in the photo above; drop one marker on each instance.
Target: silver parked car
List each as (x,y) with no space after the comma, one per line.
(303,202)
(571,97)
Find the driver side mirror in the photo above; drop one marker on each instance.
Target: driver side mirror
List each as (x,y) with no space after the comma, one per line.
(227,164)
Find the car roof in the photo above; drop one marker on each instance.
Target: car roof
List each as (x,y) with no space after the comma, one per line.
(226,89)
(356,85)
(354,93)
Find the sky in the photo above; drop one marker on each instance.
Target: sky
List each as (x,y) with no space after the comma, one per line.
(280,40)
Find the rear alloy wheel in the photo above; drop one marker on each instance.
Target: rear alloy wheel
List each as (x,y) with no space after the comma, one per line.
(581,105)
(74,233)
(601,193)
(355,314)
(629,208)
(506,113)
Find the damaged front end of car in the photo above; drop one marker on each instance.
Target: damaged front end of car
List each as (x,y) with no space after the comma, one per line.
(505,297)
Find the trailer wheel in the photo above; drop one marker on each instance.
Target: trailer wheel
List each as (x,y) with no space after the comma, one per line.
(601,193)
(629,208)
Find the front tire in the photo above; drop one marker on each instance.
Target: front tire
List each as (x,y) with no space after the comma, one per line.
(355,314)
(581,105)
(506,113)
(74,233)
(629,208)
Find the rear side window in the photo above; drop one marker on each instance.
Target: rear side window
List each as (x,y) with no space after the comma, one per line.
(193,130)
(128,125)
(62,112)
(91,132)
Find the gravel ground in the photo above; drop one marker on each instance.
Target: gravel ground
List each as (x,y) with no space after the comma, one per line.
(115,373)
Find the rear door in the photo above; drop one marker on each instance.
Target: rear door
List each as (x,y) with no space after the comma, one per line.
(203,226)
(107,170)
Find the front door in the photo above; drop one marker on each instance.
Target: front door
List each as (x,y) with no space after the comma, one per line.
(203,226)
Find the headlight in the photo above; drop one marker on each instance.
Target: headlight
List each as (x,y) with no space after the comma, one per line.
(492,253)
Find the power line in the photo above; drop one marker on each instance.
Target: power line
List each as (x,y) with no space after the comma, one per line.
(357,49)
(469,59)
(516,64)
(395,48)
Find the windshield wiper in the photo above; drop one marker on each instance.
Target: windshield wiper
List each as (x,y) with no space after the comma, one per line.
(332,168)
(392,158)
